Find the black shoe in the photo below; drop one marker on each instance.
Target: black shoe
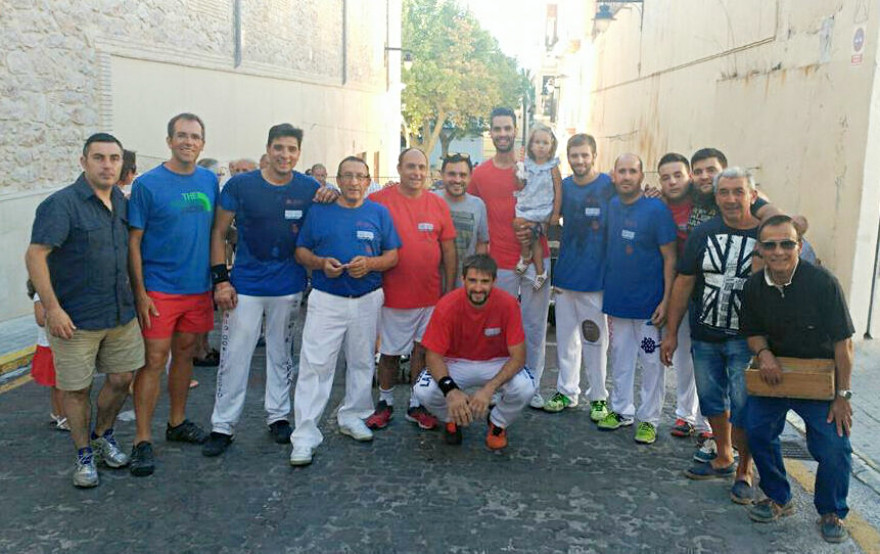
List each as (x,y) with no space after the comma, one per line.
(142,461)
(216,444)
(186,432)
(280,431)
(452,433)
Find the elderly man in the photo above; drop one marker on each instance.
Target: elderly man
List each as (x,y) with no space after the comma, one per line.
(475,340)
(798,310)
(78,262)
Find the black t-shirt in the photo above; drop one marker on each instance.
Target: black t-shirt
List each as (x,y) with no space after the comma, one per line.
(804,320)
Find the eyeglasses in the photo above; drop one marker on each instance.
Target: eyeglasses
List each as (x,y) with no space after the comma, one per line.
(457,157)
(772,244)
(352,177)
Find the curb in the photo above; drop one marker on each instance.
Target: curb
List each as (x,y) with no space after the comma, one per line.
(16,360)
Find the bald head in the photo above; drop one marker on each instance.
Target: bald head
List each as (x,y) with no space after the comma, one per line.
(629,158)
(628,177)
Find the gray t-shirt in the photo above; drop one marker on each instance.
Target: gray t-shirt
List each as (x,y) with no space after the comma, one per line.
(471,227)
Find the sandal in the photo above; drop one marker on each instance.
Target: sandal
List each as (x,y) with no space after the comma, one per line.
(522,265)
(540,280)
(211,359)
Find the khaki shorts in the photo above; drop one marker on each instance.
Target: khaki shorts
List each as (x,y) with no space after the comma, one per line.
(116,350)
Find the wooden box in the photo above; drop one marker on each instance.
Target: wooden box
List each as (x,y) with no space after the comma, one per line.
(809,379)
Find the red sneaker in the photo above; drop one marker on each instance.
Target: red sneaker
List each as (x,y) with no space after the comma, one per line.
(703,436)
(452,433)
(381,417)
(496,438)
(682,429)
(421,417)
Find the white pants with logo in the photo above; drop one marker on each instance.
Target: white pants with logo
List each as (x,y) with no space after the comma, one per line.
(581,343)
(470,374)
(241,331)
(534,306)
(636,340)
(335,324)
(687,404)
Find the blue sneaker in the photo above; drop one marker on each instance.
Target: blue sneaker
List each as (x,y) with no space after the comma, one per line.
(701,472)
(742,493)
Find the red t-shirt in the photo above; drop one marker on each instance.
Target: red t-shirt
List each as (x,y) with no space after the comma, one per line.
(680,214)
(422,223)
(459,330)
(495,187)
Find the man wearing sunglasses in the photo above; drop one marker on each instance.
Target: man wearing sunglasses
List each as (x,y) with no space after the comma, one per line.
(798,310)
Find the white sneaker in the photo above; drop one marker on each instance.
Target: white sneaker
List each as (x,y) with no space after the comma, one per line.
(537,401)
(357,430)
(301,455)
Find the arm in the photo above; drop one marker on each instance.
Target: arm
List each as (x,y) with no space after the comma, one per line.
(669,259)
(224,293)
(36,259)
(359,266)
(326,194)
(456,400)
(447,252)
(771,370)
(841,411)
(331,267)
(682,288)
(480,400)
(145,306)
(557,196)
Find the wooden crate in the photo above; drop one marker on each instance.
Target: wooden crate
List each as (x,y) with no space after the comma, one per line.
(809,379)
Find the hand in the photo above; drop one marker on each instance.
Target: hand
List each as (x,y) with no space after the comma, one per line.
(225,296)
(479,402)
(771,371)
(359,266)
(658,318)
(653,192)
(326,195)
(523,233)
(667,347)
(59,323)
(332,268)
(145,309)
(554,220)
(841,413)
(459,410)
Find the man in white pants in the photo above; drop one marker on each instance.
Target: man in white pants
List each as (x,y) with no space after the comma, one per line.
(269,207)
(347,259)
(639,270)
(494,181)
(475,339)
(581,329)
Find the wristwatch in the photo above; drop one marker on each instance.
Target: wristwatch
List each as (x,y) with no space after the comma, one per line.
(847,394)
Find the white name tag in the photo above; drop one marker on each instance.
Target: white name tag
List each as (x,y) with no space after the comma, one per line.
(293,214)
(426,227)
(592,212)
(492,331)
(628,235)
(365,235)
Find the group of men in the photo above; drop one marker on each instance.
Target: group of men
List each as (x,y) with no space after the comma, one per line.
(407,272)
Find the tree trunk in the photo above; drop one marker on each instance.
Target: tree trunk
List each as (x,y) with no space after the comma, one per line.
(445,141)
(431,135)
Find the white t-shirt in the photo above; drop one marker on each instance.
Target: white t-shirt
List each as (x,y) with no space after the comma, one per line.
(42,339)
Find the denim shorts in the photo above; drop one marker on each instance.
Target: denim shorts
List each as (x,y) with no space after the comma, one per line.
(720,374)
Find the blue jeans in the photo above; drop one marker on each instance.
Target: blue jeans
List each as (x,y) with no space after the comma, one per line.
(720,375)
(765,421)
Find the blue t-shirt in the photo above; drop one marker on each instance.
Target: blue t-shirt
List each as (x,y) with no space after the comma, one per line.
(363,231)
(634,265)
(268,219)
(581,263)
(176,213)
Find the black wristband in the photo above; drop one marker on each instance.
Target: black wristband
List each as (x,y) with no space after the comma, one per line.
(758,353)
(219,274)
(446,385)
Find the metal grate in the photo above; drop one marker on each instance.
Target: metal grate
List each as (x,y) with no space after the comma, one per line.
(795,449)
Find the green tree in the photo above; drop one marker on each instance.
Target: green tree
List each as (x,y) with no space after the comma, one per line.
(459,74)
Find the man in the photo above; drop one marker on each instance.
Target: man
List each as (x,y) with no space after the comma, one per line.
(319,172)
(171,213)
(798,310)
(468,212)
(716,262)
(495,182)
(475,340)
(578,277)
(639,271)
(78,263)
(347,259)
(129,171)
(415,284)
(244,165)
(675,185)
(270,207)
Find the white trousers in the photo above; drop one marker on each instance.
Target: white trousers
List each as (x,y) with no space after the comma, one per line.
(334,324)
(240,333)
(534,306)
(581,343)
(469,374)
(636,340)
(687,404)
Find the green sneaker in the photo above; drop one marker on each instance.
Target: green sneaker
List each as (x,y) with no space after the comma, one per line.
(614,421)
(598,410)
(559,402)
(646,433)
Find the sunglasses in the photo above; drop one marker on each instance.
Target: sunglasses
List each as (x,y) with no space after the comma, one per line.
(772,244)
(457,157)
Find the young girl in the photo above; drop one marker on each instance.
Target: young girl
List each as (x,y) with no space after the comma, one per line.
(43,366)
(539,199)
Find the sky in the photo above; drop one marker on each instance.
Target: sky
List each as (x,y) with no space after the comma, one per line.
(517,24)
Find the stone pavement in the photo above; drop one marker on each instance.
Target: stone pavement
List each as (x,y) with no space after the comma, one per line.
(561,486)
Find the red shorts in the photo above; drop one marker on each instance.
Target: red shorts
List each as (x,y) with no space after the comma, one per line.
(180,313)
(43,367)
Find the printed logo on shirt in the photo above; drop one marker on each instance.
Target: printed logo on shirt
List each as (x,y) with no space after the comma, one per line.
(365,235)
(193,202)
(426,227)
(627,234)
(293,214)
(492,331)
(592,212)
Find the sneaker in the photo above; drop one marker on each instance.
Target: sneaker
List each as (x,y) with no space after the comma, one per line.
(301,455)
(742,492)
(614,421)
(142,461)
(767,510)
(703,436)
(381,417)
(452,433)
(107,451)
(559,402)
(186,432)
(832,528)
(537,401)
(682,429)
(496,438)
(62,424)
(216,444)
(707,452)
(702,472)
(646,433)
(127,415)
(85,474)
(280,431)
(598,410)
(357,430)
(422,417)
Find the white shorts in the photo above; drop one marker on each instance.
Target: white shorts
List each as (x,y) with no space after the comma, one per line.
(399,329)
